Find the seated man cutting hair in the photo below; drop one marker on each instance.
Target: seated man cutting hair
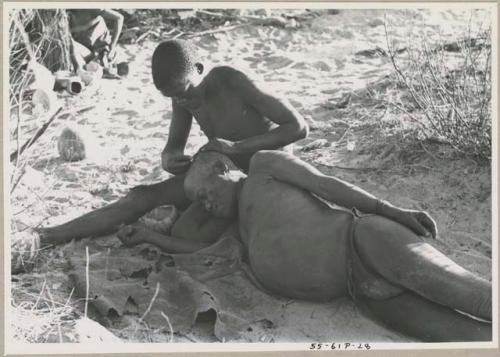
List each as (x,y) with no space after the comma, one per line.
(300,246)
(237,116)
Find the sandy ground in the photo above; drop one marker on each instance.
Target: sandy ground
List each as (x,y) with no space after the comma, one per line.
(314,67)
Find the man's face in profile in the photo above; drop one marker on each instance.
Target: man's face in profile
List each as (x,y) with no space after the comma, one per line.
(182,91)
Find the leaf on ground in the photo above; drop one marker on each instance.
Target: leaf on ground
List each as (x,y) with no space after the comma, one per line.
(124,280)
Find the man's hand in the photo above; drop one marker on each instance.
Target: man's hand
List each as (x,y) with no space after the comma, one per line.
(419,222)
(175,163)
(130,236)
(221,145)
(111,55)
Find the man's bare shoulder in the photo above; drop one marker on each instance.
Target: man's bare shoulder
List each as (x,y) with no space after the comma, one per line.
(228,76)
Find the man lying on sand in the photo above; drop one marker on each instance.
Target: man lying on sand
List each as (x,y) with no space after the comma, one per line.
(237,117)
(300,247)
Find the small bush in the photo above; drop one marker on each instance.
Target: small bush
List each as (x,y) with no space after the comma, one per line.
(450,83)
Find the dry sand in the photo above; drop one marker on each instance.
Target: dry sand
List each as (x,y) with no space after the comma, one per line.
(314,67)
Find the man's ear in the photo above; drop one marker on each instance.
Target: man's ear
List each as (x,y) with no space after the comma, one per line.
(220,167)
(199,67)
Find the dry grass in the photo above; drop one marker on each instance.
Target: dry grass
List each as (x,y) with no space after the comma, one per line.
(41,318)
(446,88)
(40,36)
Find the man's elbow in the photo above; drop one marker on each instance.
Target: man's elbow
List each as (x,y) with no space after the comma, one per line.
(301,129)
(262,160)
(119,23)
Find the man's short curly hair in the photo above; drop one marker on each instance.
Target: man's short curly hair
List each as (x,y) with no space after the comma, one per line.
(172,60)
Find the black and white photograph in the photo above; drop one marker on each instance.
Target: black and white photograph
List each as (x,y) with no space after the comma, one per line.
(250,176)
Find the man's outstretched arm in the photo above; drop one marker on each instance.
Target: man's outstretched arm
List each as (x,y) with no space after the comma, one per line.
(137,234)
(291,169)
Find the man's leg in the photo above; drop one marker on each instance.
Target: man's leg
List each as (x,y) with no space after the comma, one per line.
(402,258)
(136,203)
(81,54)
(413,315)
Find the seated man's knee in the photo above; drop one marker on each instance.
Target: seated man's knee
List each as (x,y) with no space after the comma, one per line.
(137,192)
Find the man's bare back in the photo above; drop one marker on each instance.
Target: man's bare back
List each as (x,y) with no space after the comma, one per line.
(296,243)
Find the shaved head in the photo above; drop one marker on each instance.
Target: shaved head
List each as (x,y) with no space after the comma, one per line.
(205,165)
(213,180)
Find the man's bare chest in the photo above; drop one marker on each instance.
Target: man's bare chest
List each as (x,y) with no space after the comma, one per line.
(226,115)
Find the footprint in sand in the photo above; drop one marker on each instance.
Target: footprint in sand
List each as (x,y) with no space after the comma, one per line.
(300,65)
(277,62)
(339,63)
(371,73)
(159,135)
(305,76)
(149,125)
(330,91)
(127,136)
(61,199)
(126,112)
(322,66)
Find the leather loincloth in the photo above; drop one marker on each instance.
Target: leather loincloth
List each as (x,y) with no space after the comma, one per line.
(361,280)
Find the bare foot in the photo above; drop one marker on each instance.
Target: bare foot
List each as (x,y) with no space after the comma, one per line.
(132,235)
(44,237)
(24,250)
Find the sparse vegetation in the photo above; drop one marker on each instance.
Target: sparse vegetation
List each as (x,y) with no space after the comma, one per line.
(448,101)
(446,88)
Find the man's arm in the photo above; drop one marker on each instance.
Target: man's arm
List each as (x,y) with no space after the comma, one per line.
(133,235)
(117,19)
(292,126)
(173,158)
(174,245)
(291,169)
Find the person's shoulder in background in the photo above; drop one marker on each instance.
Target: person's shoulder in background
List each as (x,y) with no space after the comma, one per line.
(80,17)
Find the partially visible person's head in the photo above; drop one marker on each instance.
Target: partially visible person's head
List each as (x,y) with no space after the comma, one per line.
(212,179)
(175,66)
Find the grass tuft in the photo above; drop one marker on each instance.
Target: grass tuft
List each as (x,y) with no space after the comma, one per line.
(449,84)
